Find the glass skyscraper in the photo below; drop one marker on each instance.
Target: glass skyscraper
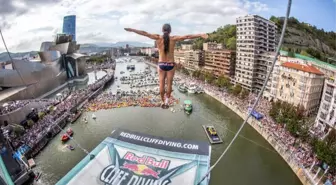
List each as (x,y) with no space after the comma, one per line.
(69,26)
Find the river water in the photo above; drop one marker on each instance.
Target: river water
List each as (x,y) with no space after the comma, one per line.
(250,161)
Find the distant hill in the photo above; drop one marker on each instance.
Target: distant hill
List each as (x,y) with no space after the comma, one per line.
(99,47)
(300,37)
(225,35)
(4,56)
(123,44)
(306,39)
(92,48)
(84,48)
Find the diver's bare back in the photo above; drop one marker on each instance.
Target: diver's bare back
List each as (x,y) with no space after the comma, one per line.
(163,57)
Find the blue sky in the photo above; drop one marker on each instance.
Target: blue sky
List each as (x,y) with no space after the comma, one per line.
(321,13)
(105,20)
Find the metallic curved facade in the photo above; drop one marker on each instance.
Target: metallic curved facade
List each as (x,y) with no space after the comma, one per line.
(31,72)
(63,48)
(49,56)
(72,47)
(45,46)
(63,38)
(59,62)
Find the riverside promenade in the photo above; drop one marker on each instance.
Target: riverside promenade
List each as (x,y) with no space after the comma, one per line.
(301,172)
(291,160)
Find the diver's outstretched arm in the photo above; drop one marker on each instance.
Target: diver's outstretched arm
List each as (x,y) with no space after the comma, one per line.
(185,37)
(143,33)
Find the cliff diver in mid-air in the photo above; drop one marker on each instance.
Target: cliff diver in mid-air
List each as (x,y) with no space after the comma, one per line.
(166,65)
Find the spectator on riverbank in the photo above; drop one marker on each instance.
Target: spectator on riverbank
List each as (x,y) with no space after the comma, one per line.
(39,129)
(302,152)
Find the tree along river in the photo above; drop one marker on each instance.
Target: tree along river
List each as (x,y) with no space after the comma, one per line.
(250,161)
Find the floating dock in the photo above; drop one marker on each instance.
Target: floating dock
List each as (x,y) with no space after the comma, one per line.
(31,163)
(213,138)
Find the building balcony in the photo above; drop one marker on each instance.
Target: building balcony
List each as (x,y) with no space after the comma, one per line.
(329,93)
(327,99)
(323,115)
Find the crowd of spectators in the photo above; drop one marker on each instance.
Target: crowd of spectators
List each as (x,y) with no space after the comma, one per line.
(109,64)
(50,115)
(11,106)
(302,152)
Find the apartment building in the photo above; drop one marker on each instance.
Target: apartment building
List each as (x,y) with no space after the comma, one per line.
(212,46)
(255,37)
(193,59)
(148,51)
(179,57)
(220,62)
(186,47)
(326,117)
(298,84)
(327,69)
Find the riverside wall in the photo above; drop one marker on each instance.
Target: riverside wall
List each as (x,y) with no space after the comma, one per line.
(299,170)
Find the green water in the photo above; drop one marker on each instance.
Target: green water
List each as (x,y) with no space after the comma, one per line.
(246,163)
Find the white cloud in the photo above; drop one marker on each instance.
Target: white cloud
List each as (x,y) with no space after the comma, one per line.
(103,20)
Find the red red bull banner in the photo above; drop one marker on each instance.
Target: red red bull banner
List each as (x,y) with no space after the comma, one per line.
(130,158)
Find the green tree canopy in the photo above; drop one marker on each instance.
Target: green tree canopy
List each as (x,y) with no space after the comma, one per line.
(209,77)
(244,94)
(231,43)
(304,52)
(324,152)
(237,89)
(225,35)
(223,81)
(196,73)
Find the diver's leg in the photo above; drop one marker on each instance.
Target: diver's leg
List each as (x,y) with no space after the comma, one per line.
(162,77)
(170,77)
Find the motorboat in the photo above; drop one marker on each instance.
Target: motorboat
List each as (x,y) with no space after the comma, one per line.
(74,117)
(192,88)
(182,88)
(65,137)
(132,67)
(199,90)
(118,90)
(69,131)
(37,176)
(187,105)
(212,134)
(94,116)
(70,147)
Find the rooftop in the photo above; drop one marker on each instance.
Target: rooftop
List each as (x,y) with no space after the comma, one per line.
(313,60)
(304,68)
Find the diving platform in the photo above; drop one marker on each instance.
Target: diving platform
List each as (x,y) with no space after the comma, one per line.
(134,158)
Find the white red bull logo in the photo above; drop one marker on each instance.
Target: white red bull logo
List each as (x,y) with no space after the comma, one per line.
(147,160)
(136,170)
